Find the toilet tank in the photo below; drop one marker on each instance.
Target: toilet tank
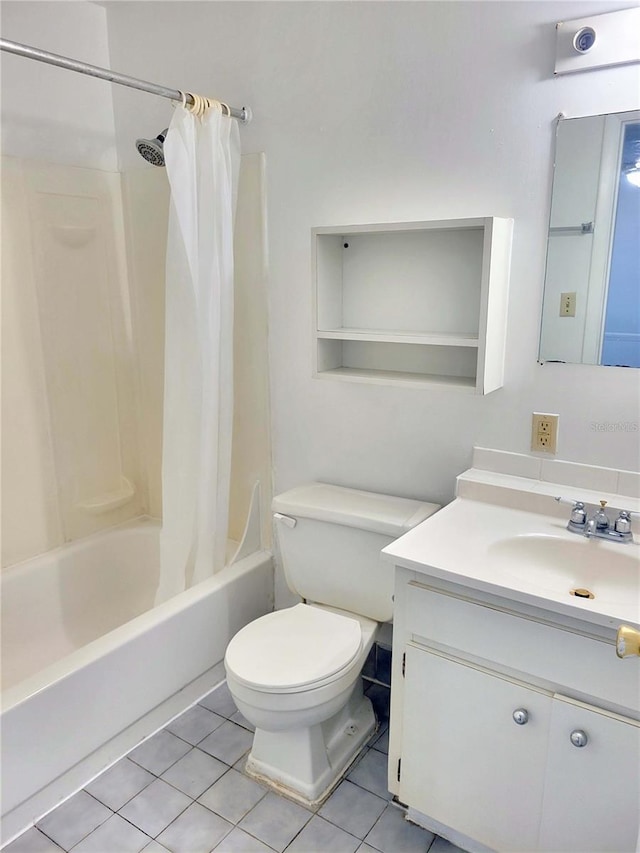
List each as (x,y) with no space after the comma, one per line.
(330,539)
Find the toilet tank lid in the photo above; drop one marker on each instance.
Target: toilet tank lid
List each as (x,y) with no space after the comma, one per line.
(384,514)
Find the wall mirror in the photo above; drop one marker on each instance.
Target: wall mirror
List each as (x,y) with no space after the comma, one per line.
(591,308)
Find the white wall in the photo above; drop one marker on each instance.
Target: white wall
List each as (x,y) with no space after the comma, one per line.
(50,113)
(372,112)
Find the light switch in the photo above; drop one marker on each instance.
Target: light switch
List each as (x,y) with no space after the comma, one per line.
(568,304)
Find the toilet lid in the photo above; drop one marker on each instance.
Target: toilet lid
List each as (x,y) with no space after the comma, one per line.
(293,648)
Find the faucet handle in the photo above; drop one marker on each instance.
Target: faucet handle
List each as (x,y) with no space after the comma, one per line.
(569,501)
(578,513)
(623,522)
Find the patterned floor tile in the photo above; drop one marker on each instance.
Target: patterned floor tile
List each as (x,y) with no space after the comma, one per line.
(164,809)
(220,701)
(197,830)
(371,773)
(227,743)
(242,721)
(119,783)
(353,809)
(153,809)
(233,796)
(275,821)
(239,841)
(194,772)
(320,836)
(32,841)
(159,752)
(115,834)
(74,819)
(154,847)
(195,724)
(394,834)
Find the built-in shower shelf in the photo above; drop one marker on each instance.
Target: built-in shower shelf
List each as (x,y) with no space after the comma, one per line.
(417,303)
(109,500)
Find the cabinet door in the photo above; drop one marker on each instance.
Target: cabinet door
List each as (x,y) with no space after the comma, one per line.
(592,793)
(465,761)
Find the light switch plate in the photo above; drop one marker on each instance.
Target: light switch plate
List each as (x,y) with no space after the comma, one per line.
(568,304)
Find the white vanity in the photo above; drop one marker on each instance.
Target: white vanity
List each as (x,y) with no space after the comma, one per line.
(514,725)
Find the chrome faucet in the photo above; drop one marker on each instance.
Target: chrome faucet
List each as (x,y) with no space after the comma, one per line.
(599,524)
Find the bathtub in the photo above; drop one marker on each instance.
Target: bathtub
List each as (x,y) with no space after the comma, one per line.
(90,667)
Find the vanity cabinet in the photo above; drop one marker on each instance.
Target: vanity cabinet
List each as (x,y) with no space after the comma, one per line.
(414,303)
(465,747)
(508,732)
(591,799)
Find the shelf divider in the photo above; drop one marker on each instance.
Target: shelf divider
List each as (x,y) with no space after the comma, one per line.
(392,336)
(383,377)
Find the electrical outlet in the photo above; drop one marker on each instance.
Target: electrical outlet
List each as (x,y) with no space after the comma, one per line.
(568,304)
(544,432)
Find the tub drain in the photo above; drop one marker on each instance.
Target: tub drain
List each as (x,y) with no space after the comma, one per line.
(582,593)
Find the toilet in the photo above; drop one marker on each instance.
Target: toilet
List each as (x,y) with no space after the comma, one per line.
(295,673)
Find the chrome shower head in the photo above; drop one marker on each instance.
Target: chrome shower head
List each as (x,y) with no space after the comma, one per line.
(153,149)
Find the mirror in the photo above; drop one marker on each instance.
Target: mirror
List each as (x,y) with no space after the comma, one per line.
(591,308)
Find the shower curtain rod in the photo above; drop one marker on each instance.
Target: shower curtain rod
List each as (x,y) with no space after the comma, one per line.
(243,114)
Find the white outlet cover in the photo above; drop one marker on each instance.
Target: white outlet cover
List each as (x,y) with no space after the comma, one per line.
(617,41)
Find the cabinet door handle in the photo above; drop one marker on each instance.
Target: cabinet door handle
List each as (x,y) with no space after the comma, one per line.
(579,738)
(521,716)
(627,641)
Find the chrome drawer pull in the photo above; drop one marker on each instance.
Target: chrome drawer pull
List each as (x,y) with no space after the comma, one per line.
(579,738)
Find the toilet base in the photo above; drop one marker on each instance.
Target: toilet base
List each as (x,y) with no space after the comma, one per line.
(306,764)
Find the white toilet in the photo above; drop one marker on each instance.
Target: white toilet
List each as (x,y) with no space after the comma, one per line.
(295,673)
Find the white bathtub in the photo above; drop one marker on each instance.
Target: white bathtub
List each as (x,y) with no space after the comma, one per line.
(90,667)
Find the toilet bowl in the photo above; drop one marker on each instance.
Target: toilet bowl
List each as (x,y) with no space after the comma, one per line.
(296,673)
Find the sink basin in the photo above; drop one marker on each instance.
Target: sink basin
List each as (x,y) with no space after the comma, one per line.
(609,571)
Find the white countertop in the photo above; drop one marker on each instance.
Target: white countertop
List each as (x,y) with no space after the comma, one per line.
(527,557)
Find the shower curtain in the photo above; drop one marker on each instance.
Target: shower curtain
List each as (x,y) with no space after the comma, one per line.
(202,157)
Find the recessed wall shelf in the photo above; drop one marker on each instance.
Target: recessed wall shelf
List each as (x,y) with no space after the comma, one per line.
(416,303)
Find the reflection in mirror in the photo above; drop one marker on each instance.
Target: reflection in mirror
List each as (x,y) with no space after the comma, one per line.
(591,309)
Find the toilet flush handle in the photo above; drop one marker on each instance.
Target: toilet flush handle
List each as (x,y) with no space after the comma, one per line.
(285,519)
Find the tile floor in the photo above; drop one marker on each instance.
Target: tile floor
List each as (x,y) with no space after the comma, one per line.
(183,790)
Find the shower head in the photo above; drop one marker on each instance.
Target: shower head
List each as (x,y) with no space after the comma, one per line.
(153,149)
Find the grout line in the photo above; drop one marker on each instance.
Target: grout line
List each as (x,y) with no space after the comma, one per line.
(126,820)
(42,832)
(155,776)
(101,822)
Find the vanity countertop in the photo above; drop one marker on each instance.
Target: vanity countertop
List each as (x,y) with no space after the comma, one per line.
(526,556)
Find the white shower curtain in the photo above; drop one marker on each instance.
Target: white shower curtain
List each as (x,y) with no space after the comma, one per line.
(202,157)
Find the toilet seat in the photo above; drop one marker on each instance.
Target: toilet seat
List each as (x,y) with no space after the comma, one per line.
(292,650)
